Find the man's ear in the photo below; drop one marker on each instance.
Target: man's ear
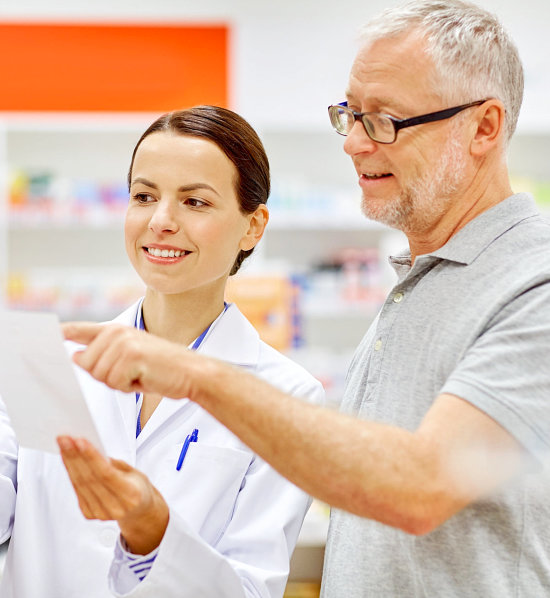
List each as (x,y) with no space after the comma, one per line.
(490,120)
(256,227)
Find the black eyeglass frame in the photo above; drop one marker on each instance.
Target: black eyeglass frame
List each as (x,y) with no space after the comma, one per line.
(402,123)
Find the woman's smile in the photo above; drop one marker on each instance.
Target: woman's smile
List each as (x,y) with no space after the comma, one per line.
(164,254)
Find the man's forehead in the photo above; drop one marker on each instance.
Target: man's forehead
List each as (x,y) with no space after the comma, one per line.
(405,52)
(390,72)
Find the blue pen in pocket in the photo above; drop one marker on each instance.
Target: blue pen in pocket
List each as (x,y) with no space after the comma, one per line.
(193,437)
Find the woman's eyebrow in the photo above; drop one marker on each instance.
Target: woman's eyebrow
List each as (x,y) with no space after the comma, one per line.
(143,182)
(182,189)
(193,186)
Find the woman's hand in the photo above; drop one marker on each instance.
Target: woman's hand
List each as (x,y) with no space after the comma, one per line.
(109,489)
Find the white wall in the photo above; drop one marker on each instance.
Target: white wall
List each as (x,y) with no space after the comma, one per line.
(290,58)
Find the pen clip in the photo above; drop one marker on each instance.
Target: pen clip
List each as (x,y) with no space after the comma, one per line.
(193,437)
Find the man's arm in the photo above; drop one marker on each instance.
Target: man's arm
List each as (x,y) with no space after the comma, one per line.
(410,480)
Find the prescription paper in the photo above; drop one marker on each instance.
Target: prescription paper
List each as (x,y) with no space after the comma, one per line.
(38,384)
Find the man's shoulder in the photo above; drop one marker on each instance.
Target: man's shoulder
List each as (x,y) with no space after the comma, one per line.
(526,244)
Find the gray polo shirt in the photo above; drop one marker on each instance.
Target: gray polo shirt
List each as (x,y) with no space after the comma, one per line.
(470,319)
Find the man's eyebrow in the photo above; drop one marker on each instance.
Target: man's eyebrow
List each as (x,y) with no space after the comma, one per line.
(182,189)
(386,102)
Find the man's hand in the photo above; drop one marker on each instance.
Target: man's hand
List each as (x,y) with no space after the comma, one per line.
(109,489)
(132,360)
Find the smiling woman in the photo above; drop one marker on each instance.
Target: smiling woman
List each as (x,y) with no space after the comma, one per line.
(244,150)
(174,510)
(183,200)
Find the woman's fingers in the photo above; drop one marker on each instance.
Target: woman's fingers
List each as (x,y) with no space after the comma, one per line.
(111,489)
(103,489)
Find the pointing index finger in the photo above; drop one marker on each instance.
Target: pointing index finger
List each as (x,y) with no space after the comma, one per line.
(81,332)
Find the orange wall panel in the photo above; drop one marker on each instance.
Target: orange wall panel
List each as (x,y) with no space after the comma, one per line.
(81,67)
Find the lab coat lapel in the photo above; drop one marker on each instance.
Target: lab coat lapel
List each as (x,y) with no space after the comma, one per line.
(109,410)
(111,407)
(232,339)
(162,418)
(162,415)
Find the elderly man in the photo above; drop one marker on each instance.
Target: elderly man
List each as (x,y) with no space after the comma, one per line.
(436,467)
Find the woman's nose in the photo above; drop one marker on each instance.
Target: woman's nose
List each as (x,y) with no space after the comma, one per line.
(164,218)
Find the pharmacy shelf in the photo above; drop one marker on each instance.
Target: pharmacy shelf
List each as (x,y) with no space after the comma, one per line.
(80,237)
(303,220)
(63,213)
(315,217)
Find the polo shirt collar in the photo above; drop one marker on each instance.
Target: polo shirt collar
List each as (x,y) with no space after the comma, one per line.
(478,234)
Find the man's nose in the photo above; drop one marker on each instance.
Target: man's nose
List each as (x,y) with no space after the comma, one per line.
(357,140)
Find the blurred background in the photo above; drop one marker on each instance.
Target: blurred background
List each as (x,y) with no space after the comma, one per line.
(82,80)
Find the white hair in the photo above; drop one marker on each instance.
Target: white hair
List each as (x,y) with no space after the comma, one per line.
(474,57)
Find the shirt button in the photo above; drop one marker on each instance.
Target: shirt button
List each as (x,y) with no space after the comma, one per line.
(378,345)
(398,297)
(108,537)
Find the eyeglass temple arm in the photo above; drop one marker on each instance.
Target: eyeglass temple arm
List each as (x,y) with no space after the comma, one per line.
(432,116)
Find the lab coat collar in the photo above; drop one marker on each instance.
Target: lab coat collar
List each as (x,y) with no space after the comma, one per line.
(233,339)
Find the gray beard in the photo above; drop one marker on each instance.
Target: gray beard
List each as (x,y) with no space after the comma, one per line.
(427,198)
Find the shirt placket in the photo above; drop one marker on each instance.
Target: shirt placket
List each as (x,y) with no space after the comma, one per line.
(390,312)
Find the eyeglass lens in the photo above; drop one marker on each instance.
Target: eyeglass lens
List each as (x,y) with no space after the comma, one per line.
(378,127)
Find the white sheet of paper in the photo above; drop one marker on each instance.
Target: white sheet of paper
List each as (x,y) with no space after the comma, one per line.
(38,384)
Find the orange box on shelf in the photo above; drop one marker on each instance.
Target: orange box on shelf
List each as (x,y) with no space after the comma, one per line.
(104,67)
(302,589)
(267,302)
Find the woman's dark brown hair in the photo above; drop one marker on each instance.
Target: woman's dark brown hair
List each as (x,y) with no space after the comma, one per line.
(239,142)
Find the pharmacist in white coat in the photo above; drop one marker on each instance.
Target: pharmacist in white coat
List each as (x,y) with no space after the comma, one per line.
(181,508)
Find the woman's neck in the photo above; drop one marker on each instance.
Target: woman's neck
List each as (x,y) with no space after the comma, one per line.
(179,318)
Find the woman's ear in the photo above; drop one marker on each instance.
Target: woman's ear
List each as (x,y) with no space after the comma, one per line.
(257,222)
(491,127)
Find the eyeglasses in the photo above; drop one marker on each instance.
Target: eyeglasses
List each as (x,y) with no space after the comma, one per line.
(383,128)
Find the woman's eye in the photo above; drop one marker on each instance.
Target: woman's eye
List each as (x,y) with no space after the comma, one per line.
(142,198)
(194,202)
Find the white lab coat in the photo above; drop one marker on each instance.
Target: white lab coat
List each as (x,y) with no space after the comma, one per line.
(233,520)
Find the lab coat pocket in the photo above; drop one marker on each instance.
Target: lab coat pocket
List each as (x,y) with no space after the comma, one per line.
(204,491)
